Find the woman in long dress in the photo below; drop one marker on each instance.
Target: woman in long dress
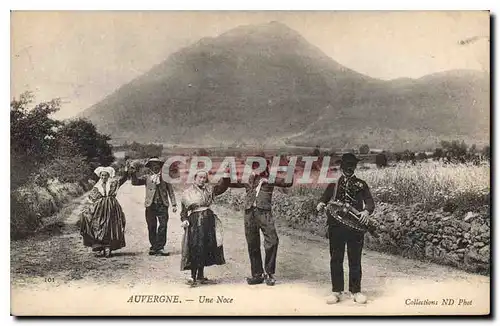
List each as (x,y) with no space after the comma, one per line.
(103,221)
(202,243)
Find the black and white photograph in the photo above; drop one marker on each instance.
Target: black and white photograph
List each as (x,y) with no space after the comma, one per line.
(250,163)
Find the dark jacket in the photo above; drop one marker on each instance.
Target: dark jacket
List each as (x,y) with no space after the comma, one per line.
(264,199)
(165,189)
(353,191)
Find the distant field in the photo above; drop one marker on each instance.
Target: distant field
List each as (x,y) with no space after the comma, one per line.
(430,184)
(120,151)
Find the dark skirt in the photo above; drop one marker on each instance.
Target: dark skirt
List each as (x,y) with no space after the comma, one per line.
(104,227)
(199,246)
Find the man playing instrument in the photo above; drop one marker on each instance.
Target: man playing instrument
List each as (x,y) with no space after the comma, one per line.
(353,191)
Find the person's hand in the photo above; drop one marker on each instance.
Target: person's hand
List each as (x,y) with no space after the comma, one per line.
(174,209)
(363,217)
(185,224)
(320,206)
(264,180)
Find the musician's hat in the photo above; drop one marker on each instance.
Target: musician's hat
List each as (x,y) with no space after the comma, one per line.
(348,158)
(154,160)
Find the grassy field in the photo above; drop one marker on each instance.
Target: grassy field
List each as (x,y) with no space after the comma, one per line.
(432,185)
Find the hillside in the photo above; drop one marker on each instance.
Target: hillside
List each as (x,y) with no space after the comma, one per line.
(265,84)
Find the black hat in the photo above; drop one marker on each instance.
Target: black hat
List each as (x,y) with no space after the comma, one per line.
(348,158)
(154,160)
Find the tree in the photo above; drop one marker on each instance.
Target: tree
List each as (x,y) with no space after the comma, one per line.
(316,151)
(486,152)
(364,149)
(421,156)
(381,160)
(203,152)
(32,135)
(455,150)
(82,135)
(438,154)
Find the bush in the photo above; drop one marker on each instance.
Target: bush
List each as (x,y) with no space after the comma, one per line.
(364,149)
(66,170)
(486,152)
(421,156)
(28,205)
(31,203)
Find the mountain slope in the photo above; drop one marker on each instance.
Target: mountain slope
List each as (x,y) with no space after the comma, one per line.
(411,113)
(266,83)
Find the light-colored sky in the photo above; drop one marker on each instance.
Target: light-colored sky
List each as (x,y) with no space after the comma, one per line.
(83,56)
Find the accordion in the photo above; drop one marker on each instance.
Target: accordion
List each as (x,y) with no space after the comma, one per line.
(348,216)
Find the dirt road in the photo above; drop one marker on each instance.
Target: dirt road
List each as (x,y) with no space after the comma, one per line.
(54,274)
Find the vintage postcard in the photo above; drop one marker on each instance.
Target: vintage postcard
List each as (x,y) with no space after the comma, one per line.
(250,163)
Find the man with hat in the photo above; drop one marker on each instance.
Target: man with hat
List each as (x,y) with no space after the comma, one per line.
(354,191)
(156,202)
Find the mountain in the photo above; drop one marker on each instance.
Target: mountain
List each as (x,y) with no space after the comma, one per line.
(265,84)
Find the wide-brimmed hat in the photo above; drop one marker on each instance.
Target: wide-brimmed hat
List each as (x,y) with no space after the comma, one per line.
(153,160)
(348,158)
(107,169)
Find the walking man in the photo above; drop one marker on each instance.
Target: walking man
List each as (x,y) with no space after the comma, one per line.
(156,202)
(355,192)
(258,217)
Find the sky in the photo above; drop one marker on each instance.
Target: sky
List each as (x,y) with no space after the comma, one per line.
(82,56)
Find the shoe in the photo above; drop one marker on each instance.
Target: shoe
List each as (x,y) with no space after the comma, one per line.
(334,298)
(161,252)
(205,280)
(99,253)
(255,280)
(270,280)
(107,253)
(192,283)
(360,298)
(152,252)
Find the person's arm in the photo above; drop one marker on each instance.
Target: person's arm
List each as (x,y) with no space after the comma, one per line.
(368,199)
(184,215)
(171,194)
(328,193)
(237,184)
(122,179)
(221,186)
(184,212)
(94,195)
(137,181)
(92,198)
(281,182)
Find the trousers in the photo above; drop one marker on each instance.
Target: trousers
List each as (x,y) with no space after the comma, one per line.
(257,220)
(339,237)
(157,220)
